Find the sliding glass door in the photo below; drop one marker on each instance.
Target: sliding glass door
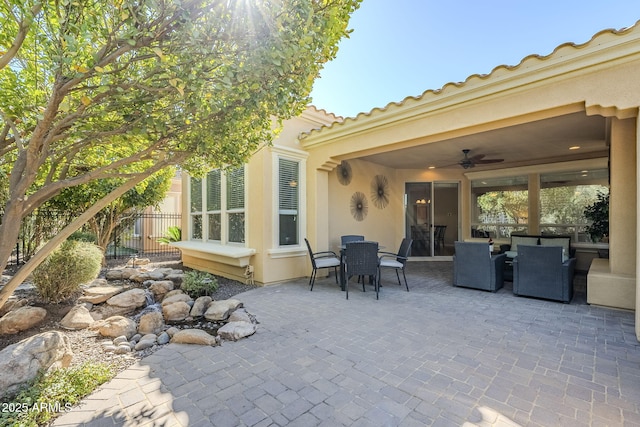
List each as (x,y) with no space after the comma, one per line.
(431,217)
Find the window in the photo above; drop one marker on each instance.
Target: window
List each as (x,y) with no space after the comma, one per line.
(217,205)
(500,206)
(564,197)
(235,205)
(195,210)
(214,205)
(288,201)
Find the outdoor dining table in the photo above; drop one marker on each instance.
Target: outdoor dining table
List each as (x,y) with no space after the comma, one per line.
(343,273)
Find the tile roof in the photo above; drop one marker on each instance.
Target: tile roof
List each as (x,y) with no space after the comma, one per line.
(595,40)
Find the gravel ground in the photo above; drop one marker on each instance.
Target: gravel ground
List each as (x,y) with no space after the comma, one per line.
(86,344)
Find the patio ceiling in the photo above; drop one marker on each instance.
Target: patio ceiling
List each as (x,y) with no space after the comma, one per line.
(538,142)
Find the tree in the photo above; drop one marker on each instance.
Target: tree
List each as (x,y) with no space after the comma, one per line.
(78,199)
(91,88)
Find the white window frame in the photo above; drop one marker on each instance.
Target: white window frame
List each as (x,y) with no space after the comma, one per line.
(299,249)
(224,212)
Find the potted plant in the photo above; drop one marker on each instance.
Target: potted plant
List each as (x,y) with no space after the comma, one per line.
(598,214)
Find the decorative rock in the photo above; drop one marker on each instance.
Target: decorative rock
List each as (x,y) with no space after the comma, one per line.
(138,262)
(77,318)
(170,299)
(193,336)
(172,331)
(21,362)
(99,294)
(240,316)
(144,344)
(131,299)
(200,306)
(176,311)
(109,348)
(139,277)
(161,288)
(151,323)
(122,349)
(163,338)
(113,275)
(126,273)
(21,319)
(136,337)
(233,331)
(13,304)
(104,311)
(174,292)
(120,340)
(115,326)
(97,283)
(219,310)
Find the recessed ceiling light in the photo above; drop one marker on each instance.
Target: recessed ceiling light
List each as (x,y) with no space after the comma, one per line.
(432,167)
(585,171)
(574,147)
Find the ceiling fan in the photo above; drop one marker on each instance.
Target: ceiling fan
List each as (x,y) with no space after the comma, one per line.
(478,159)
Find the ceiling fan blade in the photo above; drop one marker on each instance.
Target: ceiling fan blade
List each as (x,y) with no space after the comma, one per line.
(477,157)
(487,161)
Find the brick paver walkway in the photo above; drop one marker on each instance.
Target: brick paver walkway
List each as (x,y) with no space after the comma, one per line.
(436,355)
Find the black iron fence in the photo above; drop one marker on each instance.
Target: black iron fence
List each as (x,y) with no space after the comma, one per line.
(138,235)
(141,234)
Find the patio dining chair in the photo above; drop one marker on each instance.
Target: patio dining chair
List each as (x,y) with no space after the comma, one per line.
(397,261)
(350,238)
(361,259)
(323,259)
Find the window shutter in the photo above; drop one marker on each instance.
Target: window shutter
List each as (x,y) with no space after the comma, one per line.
(196,195)
(289,181)
(235,188)
(214,191)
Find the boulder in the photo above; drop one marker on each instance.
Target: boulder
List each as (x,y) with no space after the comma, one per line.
(126,273)
(161,288)
(151,323)
(233,331)
(176,311)
(240,316)
(220,310)
(173,297)
(96,283)
(21,319)
(13,304)
(115,326)
(104,311)
(99,294)
(131,299)
(200,306)
(193,336)
(163,338)
(21,362)
(175,277)
(113,275)
(77,318)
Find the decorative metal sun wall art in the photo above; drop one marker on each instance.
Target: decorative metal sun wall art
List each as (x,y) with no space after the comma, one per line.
(380,191)
(344,173)
(359,206)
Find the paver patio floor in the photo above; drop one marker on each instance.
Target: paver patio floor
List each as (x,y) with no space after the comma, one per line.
(437,355)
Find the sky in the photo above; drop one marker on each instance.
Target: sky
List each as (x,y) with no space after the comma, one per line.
(401,48)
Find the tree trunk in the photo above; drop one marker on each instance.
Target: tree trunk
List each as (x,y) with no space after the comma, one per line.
(13,231)
(10,232)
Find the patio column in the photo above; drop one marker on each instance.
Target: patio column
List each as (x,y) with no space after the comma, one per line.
(318,206)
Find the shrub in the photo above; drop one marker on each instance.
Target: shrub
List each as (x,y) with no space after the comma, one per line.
(198,283)
(54,392)
(64,270)
(83,236)
(172,234)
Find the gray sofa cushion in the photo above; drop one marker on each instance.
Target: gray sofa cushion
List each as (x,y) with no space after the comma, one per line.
(475,267)
(539,271)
